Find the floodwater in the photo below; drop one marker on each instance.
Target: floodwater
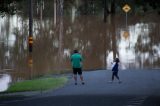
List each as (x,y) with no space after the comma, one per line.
(5,80)
(54,38)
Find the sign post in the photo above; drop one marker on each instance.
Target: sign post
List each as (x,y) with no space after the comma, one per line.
(126,8)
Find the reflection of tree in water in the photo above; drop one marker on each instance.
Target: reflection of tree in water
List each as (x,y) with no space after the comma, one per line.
(88,37)
(20,47)
(50,43)
(6,47)
(147,46)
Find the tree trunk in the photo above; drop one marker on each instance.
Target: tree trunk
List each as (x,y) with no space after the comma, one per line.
(60,50)
(55,12)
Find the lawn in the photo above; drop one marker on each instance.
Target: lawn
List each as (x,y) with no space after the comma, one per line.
(38,84)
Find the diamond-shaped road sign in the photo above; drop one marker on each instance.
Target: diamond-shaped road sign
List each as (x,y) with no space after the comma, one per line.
(126,34)
(126,8)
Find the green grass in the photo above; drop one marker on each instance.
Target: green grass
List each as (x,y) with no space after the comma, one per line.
(38,84)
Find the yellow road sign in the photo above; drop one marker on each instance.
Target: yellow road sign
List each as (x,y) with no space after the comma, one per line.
(126,8)
(126,34)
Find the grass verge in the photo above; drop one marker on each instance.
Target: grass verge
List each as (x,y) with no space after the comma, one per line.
(37,84)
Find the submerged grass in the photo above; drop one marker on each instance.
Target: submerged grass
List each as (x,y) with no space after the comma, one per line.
(37,84)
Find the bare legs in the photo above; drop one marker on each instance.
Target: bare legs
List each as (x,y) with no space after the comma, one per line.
(75,79)
(81,78)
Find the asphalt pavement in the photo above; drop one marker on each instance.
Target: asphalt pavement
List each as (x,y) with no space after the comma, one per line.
(138,88)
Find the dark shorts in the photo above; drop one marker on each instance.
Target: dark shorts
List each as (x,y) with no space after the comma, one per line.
(77,71)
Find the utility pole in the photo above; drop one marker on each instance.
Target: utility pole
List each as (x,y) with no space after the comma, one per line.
(105,11)
(30,38)
(30,26)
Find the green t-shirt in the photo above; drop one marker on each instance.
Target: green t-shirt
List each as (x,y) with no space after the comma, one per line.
(76,60)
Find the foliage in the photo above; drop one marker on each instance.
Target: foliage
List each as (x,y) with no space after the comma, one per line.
(83,6)
(8,7)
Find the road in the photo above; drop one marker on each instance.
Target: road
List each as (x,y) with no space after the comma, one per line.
(138,88)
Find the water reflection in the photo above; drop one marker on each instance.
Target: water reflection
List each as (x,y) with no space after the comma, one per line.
(57,35)
(5,80)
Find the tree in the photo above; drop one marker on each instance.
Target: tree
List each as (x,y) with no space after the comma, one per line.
(8,7)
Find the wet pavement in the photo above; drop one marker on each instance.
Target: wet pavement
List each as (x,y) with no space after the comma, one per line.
(138,88)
